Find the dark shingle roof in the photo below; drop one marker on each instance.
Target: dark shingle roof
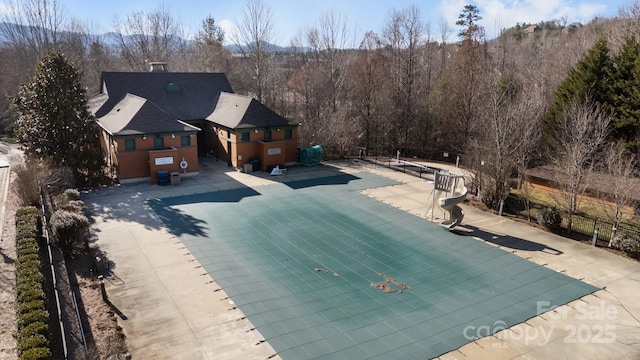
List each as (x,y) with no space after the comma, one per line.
(242,112)
(184,96)
(134,115)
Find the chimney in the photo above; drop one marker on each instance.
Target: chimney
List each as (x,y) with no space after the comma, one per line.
(158,66)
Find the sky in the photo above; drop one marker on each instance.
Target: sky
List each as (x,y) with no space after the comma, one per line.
(292,17)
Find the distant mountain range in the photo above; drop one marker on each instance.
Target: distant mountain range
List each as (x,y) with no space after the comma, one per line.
(110,40)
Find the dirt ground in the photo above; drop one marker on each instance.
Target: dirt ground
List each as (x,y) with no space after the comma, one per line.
(105,338)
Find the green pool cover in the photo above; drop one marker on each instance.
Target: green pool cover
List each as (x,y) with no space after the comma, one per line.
(323,271)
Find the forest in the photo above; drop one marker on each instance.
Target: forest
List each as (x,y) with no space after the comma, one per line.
(552,93)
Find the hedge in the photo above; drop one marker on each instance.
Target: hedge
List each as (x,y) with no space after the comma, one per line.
(33,317)
(34,328)
(32,342)
(31,305)
(39,353)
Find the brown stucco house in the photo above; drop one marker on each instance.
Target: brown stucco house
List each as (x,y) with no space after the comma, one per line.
(165,121)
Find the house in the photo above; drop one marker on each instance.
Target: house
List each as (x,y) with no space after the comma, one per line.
(531,29)
(160,120)
(247,130)
(141,139)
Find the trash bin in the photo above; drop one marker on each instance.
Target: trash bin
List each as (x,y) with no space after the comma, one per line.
(175,178)
(247,167)
(163,177)
(256,164)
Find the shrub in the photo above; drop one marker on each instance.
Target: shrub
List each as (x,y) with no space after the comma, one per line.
(28,258)
(35,328)
(25,212)
(26,242)
(28,247)
(29,306)
(72,194)
(69,229)
(30,294)
(29,278)
(28,226)
(550,218)
(24,231)
(40,353)
(626,243)
(514,204)
(490,200)
(33,316)
(75,206)
(32,342)
(27,287)
(29,267)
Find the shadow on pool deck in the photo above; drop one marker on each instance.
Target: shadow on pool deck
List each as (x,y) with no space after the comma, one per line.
(506,241)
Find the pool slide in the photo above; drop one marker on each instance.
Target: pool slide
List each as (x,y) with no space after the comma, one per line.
(457,194)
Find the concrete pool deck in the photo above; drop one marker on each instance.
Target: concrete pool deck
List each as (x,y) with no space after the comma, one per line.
(175,310)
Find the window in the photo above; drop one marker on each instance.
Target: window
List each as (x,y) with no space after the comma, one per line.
(246,136)
(129,144)
(185,140)
(288,133)
(158,142)
(267,135)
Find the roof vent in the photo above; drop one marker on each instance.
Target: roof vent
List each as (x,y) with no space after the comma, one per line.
(173,87)
(157,66)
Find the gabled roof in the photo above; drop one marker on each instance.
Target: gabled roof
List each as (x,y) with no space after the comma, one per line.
(243,112)
(184,96)
(134,115)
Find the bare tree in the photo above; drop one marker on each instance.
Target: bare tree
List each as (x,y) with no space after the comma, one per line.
(618,184)
(148,36)
(83,46)
(366,91)
(255,34)
(509,134)
(444,38)
(403,36)
(328,41)
(629,15)
(33,27)
(582,130)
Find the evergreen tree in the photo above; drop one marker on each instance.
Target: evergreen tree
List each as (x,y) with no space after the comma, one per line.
(625,96)
(54,123)
(208,41)
(468,20)
(590,78)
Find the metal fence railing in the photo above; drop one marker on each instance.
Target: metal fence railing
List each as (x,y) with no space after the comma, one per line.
(580,224)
